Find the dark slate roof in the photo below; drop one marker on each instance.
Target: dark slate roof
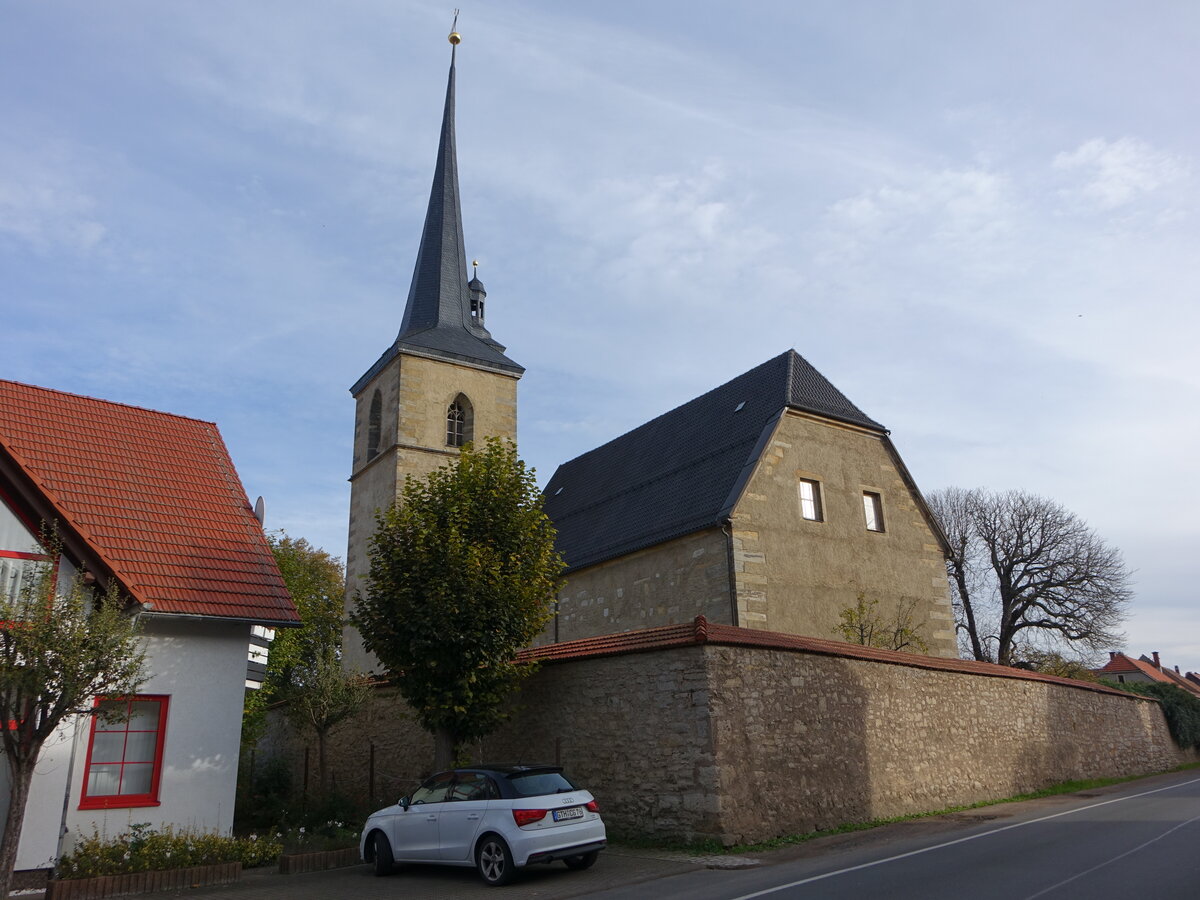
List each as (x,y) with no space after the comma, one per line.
(684,470)
(437,315)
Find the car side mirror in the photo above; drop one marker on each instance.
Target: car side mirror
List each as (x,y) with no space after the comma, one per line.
(404,803)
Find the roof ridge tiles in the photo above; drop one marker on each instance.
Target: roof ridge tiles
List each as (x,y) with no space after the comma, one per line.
(675,409)
(98,400)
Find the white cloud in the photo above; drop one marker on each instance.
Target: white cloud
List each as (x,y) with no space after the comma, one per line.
(1119,172)
(42,206)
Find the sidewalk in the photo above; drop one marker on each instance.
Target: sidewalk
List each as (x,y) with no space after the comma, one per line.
(617,867)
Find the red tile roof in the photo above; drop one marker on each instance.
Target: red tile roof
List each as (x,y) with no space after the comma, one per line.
(1120,664)
(1182,681)
(701,631)
(154,495)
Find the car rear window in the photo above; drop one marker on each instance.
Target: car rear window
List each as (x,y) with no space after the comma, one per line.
(535,784)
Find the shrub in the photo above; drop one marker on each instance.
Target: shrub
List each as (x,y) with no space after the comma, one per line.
(1181,709)
(264,795)
(141,849)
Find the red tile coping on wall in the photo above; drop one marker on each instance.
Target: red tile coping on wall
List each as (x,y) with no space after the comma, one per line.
(701,631)
(154,495)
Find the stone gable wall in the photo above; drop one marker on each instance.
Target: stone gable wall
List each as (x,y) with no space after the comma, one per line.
(797,576)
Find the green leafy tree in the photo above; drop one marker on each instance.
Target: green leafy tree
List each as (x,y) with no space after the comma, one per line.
(61,647)
(304,667)
(463,572)
(864,624)
(317,582)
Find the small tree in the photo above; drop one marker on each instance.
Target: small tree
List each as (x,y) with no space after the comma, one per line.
(864,624)
(463,573)
(61,647)
(321,697)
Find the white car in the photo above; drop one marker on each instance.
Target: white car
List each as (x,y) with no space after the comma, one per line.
(495,818)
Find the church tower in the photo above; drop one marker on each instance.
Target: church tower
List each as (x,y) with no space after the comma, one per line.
(443,382)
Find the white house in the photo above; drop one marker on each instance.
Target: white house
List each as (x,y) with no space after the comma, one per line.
(151,500)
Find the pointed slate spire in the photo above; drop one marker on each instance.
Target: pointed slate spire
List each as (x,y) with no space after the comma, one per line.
(439,279)
(440,319)
(439,316)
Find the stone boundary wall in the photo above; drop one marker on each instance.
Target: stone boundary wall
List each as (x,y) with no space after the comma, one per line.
(715,732)
(805,741)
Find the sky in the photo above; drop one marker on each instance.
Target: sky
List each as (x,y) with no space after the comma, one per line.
(978,220)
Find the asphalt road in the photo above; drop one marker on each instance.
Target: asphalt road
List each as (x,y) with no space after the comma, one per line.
(1140,839)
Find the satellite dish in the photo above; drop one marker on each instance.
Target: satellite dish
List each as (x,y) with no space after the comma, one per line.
(260,510)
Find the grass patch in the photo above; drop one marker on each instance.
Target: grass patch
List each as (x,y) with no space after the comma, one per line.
(712,847)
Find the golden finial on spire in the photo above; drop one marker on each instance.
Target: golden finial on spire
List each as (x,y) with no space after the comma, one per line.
(474,268)
(455,38)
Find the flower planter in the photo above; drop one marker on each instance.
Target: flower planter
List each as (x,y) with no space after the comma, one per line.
(142,882)
(296,863)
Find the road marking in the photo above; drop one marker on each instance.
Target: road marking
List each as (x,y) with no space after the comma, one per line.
(962,840)
(1109,862)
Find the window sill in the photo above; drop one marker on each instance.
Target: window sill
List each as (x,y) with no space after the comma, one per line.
(117,802)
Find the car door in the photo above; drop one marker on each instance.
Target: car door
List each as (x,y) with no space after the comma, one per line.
(416,827)
(463,812)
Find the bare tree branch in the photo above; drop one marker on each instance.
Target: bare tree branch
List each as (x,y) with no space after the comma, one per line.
(1025,570)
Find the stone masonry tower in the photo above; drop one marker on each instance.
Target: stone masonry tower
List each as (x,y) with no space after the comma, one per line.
(443,383)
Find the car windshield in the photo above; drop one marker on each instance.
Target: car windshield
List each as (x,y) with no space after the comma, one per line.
(535,784)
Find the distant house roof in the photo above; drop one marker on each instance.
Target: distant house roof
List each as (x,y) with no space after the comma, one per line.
(684,470)
(1121,664)
(154,496)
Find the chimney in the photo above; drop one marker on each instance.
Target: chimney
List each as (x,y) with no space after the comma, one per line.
(1177,670)
(1112,655)
(1157,664)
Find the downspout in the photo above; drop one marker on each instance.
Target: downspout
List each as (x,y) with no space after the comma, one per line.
(62,826)
(726,529)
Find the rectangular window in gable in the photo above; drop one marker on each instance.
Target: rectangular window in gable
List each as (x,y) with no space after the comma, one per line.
(810,500)
(20,552)
(873,510)
(124,756)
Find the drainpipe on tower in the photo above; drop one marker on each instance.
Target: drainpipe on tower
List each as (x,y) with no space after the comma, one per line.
(726,528)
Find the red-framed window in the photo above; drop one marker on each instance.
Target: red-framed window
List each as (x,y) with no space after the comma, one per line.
(19,548)
(124,755)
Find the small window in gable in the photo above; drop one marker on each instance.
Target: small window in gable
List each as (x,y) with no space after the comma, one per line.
(460,421)
(19,552)
(873,510)
(810,500)
(374,425)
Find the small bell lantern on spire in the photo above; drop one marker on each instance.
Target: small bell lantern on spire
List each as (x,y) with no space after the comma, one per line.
(478,294)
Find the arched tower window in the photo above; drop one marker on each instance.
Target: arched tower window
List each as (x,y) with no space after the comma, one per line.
(460,421)
(374,425)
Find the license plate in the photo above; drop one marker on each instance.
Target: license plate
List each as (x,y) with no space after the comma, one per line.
(575,812)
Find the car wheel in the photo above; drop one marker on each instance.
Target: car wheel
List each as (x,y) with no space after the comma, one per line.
(583,861)
(382,854)
(494,861)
